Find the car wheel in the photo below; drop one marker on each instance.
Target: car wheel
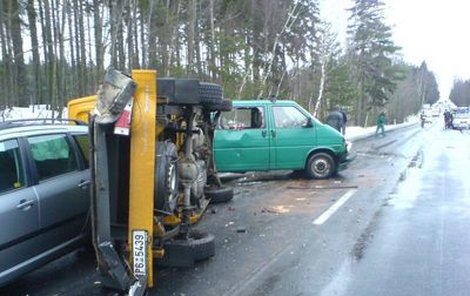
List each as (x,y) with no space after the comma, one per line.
(185,252)
(320,166)
(166,177)
(218,194)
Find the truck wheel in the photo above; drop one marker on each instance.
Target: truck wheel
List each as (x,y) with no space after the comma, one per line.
(210,93)
(224,105)
(218,194)
(166,177)
(320,166)
(185,252)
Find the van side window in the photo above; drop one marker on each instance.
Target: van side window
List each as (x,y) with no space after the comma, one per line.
(53,155)
(289,117)
(243,118)
(11,168)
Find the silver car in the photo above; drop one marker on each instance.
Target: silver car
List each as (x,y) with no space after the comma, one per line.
(44,193)
(461,118)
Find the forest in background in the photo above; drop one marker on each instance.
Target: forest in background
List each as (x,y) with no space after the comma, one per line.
(56,50)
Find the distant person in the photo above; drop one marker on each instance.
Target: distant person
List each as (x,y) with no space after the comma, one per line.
(335,119)
(423,119)
(345,120)
(381,120)
(448,119)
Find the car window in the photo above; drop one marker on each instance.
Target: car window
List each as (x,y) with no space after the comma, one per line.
(11,169)
(83,142)
(289,117)
(243,118)
(52,155)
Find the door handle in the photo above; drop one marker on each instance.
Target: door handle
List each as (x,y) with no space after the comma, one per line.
(264,133)
(25,205)
(84,183)
(273,133)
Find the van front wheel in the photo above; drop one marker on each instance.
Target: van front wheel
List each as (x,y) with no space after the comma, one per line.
(320,166)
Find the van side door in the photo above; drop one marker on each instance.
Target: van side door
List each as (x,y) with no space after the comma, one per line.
(294,135)
(241,141)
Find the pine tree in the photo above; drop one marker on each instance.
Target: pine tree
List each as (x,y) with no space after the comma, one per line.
(427,85)
(371,50)
(460,93)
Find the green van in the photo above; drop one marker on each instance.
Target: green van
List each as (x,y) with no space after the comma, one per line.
(262,135)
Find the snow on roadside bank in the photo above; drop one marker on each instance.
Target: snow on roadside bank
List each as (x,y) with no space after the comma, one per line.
(357,132)
(33,111)
(43,111)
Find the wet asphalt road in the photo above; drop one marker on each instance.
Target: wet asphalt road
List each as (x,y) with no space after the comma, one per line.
(420,245)
(399,230)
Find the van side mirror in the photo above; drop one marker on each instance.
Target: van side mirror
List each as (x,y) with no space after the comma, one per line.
(309,123)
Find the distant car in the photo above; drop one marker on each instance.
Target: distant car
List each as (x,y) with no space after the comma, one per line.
(436,112)
(44,193)
(461,118)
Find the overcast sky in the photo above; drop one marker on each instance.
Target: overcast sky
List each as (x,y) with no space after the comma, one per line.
(435,31)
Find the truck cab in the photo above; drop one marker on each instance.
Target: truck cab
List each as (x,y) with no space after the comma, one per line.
(262,135)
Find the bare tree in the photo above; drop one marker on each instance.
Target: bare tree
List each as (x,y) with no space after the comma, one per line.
(326,47)
(20,76)
(292,16)
(191,39)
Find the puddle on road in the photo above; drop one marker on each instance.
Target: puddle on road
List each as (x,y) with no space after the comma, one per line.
(405,195)
(339,285)
(408,189)
(277,209)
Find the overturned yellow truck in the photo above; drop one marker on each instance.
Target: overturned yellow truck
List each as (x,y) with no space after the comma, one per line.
(153,173)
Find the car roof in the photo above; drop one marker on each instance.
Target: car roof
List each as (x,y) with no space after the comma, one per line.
(28,127)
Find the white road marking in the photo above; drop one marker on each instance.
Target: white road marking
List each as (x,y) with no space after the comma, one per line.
(328,213)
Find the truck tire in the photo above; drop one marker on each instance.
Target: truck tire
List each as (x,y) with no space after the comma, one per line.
(210,93)
(320,166)
(166,177)
(218,194)
(185,252)
(224,105)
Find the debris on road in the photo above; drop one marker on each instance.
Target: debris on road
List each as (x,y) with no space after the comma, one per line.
(323,187)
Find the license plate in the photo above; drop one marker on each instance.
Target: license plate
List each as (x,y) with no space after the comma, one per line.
(139,252)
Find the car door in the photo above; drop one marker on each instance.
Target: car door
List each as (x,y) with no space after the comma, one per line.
(293,137)
(19,212)
(241,141)
(62,187)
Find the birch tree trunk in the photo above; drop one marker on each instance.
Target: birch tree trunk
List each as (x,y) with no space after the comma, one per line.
(320,89)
